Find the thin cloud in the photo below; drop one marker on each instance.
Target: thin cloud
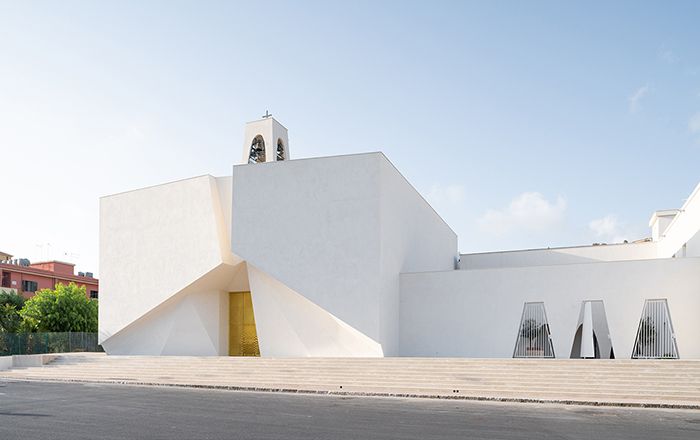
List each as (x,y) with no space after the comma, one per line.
(605,227)
(446,194)
(694,123)
(636,98)
(528,212)
(449,201)
(609,229)
(668,56)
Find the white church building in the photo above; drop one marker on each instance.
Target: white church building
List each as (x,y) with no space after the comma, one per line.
(341,256)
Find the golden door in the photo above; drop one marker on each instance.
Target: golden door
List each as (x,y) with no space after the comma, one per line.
(242,336)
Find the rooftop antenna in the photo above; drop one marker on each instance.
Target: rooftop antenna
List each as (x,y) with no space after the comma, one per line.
(45,250)
(71,255)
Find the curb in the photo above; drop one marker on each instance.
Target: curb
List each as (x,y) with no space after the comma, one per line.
(654,405)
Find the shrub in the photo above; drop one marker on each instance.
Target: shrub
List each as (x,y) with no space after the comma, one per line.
(10,305)
(64,309)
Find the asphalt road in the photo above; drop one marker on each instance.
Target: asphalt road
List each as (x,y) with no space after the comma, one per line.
(32,410)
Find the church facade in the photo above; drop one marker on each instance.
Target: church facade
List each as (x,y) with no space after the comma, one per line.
(341,256)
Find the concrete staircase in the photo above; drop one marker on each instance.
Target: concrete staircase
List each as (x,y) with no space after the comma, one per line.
(666,383)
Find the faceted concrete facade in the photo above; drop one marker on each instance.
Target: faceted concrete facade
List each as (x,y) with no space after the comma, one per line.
(343,257)
(319,243)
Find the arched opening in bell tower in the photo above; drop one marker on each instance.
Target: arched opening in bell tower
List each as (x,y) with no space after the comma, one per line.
(280,150)
(257,150)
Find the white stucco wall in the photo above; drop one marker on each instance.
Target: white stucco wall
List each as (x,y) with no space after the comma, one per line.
(564,255)
(683,228)
(413,237)
(692,247)
(659,222)
(337,230)
(313,224)
(476,313)
(161,244)
(187,325)
(5,362)
(288,324)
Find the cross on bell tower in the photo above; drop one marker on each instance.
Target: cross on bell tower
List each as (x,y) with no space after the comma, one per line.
(265,140)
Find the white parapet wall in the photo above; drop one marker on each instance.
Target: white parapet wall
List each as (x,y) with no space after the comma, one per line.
(5,362)
(25,360)
(476,313)
(563,255)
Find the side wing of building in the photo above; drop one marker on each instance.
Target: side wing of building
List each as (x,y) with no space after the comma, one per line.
(477,313)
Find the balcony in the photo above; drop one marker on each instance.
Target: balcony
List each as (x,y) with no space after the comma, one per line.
(4,289)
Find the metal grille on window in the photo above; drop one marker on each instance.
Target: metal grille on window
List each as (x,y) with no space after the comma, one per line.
(534,339)
(655,336)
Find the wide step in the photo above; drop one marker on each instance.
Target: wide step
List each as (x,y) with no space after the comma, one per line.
(610,382)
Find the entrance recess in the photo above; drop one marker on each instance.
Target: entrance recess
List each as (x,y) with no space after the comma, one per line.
(592,339)
(242,336)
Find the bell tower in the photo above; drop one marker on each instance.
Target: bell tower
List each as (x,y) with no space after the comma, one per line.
(266,140)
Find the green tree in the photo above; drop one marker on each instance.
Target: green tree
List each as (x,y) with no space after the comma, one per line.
(10,305)
(64,309)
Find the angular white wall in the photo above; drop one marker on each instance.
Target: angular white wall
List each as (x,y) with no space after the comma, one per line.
(188,325)
(290,325)
(413,238)
(338,230)
(160,248)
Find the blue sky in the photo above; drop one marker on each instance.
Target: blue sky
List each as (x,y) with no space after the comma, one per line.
(526,124)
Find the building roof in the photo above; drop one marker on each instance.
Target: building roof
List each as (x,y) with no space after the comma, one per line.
(48,273)
(54,261)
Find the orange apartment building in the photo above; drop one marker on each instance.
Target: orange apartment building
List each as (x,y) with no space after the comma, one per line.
(25,278)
